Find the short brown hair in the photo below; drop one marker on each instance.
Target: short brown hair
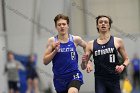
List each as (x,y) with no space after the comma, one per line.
(61,16)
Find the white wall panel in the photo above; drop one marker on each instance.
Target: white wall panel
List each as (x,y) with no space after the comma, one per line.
(3,79)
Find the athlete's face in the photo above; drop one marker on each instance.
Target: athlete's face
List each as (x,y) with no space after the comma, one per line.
(62,26)
(103,24)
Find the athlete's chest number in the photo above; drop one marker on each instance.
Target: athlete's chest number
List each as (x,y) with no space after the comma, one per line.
(72,55)
(112,58)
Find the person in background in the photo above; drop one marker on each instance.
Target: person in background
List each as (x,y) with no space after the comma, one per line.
(25,75)
(32,75)
(136,71)
(123,74)
(11,68)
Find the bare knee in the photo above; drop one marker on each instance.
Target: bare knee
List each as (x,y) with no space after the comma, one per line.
(73,90)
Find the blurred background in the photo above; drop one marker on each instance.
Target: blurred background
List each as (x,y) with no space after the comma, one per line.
(25,26)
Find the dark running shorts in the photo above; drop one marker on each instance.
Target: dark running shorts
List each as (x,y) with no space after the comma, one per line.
(14,85)
(75,83)
(107,86)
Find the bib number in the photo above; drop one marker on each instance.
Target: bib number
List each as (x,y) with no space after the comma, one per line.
(112,58)
(72,55)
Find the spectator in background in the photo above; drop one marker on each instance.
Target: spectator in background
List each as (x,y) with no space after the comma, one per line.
(123,75)
(125,83)
(24,75)
(32,76)
(136,71)
(11,68)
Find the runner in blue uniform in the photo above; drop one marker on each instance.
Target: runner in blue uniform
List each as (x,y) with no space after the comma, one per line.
(105,54)
(61,50)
